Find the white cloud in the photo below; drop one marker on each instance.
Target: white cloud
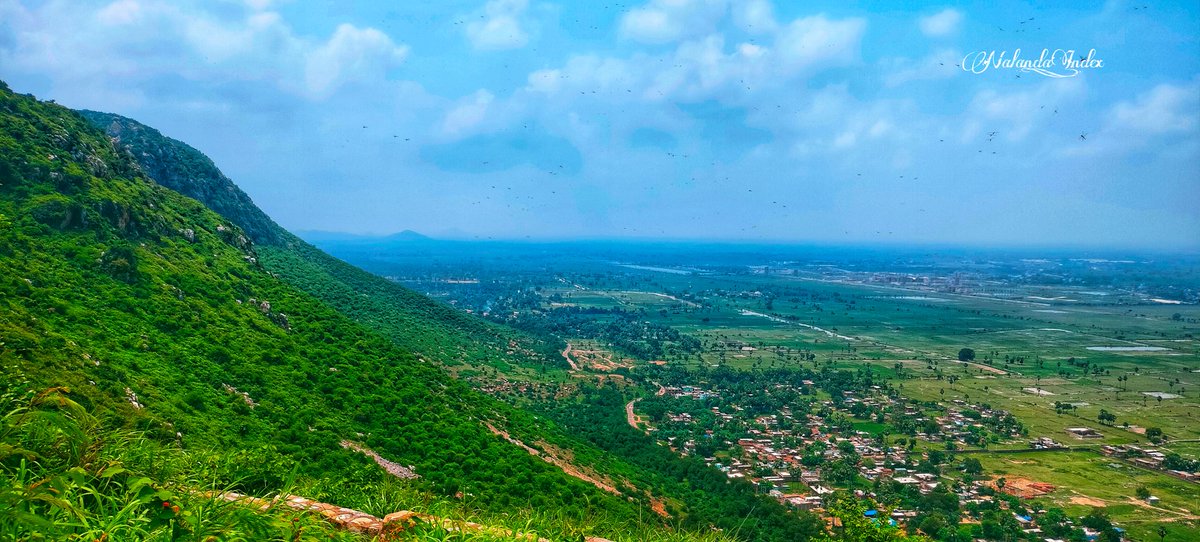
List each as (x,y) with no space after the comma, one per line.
(106,53)
(755,16)
(708,67)
(219,41)
(120,12)
(545,81)
(1014,115)
(663,21)
(942,23)
(1165,108)
(260,5)
(818,41)
(467,115)
(352,53)
(498,26)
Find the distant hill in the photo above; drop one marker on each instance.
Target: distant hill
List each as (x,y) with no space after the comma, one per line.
(319,236)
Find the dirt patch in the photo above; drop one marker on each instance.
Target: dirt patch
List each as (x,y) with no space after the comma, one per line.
(1177,515)
(1024,487)
(1088,501)
(594,360)
(555,457)
(392,468)
(633,419)
(659,507)
(566,354)
(987,368)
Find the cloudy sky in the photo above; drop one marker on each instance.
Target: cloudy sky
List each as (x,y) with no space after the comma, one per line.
(717,119)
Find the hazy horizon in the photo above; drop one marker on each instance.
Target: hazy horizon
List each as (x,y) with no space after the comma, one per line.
(706,120)
(326,236)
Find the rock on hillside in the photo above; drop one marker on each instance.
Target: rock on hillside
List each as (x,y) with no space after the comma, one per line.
(178,166)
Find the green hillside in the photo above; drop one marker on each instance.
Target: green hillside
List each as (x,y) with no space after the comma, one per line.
(161,319)
(414,322)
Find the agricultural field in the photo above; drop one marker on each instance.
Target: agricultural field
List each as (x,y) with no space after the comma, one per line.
(1150,370)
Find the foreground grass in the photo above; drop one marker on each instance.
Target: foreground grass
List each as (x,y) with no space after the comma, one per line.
(64,475)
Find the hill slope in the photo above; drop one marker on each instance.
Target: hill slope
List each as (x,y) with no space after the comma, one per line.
(413,321)
(160,315)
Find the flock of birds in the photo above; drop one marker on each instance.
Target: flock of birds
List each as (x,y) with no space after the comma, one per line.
(529,202)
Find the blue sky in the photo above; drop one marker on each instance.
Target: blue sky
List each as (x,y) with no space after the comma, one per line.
(709,119)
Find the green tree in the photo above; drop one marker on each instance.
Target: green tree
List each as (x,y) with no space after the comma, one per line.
(966,354)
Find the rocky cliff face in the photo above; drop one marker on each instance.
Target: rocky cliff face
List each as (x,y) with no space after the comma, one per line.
(180,167)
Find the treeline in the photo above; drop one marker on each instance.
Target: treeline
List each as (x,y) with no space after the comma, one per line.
(627,332)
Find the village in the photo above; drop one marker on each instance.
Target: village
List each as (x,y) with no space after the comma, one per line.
(802,459)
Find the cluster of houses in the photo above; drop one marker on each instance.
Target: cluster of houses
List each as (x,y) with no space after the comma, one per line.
(1149,458)
(771,452)
(770,449)
(692,392)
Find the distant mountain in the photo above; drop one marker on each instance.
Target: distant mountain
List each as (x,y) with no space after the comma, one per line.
(319,236)
(407,235)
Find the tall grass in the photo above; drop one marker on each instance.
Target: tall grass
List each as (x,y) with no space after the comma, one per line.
(67,475)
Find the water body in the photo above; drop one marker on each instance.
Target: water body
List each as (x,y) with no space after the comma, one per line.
(1127,348)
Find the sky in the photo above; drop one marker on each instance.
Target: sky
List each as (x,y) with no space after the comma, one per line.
(778,121)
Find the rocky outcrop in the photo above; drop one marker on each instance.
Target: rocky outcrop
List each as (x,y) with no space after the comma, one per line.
(181,168)
(133,399)
(245,396)
(392,468)
(280,319)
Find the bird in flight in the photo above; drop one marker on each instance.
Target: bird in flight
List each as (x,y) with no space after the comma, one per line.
(1083,136)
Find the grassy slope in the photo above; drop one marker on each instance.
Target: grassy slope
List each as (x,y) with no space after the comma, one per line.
(103,291)
(413,321)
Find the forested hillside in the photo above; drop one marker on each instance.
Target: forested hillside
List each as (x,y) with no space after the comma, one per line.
(414,322)
(160,318)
